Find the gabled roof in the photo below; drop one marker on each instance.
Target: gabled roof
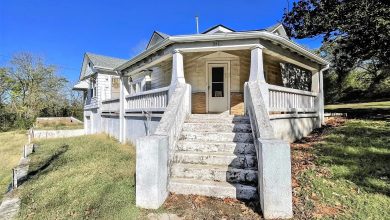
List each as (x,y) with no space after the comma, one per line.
(278,29)
(94,61)
(105,61)
(218,29)
(155,38)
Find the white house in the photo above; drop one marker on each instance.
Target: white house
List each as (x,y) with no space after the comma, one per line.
(210,113)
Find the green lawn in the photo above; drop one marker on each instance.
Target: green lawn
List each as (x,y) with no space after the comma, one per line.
(11,147)
(351,179)
(367,105)
(93,177)
(82,177)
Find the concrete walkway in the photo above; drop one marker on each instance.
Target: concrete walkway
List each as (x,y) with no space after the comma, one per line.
(9,208)
(10,205)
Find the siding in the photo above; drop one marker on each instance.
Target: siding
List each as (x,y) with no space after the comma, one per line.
(103,87)
(195,73)
(272,70)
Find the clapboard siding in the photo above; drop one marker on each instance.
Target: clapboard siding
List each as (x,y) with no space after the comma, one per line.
(103,87)
(273,70)
(161,75)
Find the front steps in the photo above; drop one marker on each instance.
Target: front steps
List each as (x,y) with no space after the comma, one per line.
(215,156)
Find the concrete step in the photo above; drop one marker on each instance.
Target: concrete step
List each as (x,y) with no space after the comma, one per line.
(212,188)
(229,147)
(217,136)
(214,173)
(216,158)
(199,118)
(217,127)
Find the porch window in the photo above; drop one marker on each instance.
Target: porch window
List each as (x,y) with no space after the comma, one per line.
(115,87)
(217,82)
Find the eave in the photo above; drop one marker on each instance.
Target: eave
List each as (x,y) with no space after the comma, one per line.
(225,36)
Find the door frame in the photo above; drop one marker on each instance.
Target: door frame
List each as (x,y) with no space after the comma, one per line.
(226,62)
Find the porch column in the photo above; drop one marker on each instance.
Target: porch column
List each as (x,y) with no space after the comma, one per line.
(177,68)
(321,98)
(316,86)
(122,105)
(257,72)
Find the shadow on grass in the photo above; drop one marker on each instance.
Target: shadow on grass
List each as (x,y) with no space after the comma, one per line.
(363,113)
(42,166)
(359,152)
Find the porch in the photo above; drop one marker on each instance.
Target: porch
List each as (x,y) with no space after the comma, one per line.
(217,76)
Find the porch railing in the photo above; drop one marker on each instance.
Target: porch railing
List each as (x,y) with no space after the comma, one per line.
(287,100)
(110,106)
(152,100)
(91,102)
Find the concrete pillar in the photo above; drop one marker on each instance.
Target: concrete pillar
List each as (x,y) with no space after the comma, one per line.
(257,69)
(274,169)
(152,171)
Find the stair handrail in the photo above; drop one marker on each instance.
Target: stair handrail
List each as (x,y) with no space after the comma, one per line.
(256,110)
(178,109)
(273,157)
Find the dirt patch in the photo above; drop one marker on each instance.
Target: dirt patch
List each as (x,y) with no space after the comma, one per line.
(202,207)
(306,206)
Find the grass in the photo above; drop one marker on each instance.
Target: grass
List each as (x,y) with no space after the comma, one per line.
(351,179)
(11,145)
(93,177)
(367,105)
(82,177)
(57,124)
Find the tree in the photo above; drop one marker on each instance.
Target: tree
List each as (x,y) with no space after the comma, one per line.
(355,33)
(35,87)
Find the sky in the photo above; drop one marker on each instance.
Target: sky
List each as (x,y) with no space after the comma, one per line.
(61,31)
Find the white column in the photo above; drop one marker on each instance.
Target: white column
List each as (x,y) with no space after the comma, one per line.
(321,98)
(257,70)
(122,101)
(316,87)
(177,68)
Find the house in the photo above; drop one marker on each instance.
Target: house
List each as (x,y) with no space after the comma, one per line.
(210,113)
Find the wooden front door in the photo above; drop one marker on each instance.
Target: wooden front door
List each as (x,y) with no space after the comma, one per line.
(218,88)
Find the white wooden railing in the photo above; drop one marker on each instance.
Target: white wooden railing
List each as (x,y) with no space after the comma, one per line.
(152,100)
(110,106)
(91,102)
(287,100)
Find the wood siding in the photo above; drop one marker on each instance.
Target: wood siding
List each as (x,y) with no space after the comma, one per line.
(272,70)
(195,72)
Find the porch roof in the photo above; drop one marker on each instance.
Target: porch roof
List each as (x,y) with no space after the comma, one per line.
(268,34)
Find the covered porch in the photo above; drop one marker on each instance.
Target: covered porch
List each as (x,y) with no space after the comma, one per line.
(290,84)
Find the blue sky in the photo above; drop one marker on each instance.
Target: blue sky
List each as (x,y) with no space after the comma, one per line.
(62,31)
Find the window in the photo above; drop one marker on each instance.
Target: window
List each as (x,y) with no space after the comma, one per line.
(115,87)
(140,84)
(93,87)
(217,82)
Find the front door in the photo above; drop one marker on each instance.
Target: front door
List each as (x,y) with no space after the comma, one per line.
(218,87)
